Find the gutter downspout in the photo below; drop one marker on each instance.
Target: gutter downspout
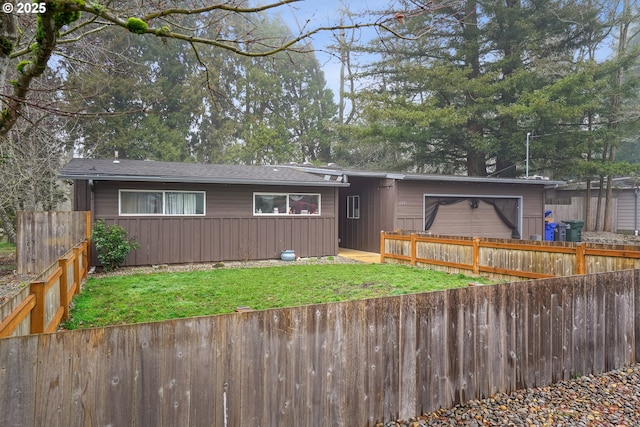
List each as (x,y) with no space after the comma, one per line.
(93,217)
(635,216)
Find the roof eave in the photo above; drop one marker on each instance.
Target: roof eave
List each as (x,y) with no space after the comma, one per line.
(482,179)
(202,181)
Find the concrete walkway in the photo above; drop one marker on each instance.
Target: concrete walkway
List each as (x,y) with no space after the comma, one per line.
(362,256)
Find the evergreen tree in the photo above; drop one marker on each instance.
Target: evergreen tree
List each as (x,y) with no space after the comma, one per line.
(463,97)
(176,105)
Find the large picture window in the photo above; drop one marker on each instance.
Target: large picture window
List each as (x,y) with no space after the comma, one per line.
(286,204)
(143,202)
(353,207)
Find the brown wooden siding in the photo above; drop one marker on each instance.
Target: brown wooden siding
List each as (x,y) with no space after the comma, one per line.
(387,204)
(229,231)
(377,199)
(81,195)
(410,206)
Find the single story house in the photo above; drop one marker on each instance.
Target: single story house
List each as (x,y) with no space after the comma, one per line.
(188,212)
(447,205)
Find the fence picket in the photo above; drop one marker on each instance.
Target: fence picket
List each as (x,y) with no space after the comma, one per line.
(46,305)
(505,257)
(42,237)
(359,362)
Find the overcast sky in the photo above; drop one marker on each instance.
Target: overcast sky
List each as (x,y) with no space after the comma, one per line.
(321,13)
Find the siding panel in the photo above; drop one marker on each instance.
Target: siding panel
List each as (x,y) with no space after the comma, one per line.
(229,231)
(626,211)
(186,240)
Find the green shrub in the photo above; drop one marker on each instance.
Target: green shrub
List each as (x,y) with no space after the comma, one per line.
(112,244)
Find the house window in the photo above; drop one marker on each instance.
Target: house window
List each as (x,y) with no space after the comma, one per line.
(286,204)
(353,207)
(140,203)
(183,203)
(143,202)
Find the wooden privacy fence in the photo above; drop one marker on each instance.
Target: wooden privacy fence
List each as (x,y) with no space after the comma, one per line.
(503,257)
(46,304)
(42,237)
(340,364)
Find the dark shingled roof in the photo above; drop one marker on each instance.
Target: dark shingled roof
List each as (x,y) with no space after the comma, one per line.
(143,170)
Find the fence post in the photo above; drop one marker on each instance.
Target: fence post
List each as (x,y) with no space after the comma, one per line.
(476,255)
(88,227)
(77,273)
(86,261)
(581,262)
(382,241)
(37,314)
(63,263)
(414,245)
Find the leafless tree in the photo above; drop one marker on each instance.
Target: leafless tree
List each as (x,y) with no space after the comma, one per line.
(30,157)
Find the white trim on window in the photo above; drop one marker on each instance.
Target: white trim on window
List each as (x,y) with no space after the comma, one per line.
(199,207)
(353,207)
(285,204)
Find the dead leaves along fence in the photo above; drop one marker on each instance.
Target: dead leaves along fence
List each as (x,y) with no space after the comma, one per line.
(353,363)
(506,258)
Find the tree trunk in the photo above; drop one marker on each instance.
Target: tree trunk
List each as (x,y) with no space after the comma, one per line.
(587,206)
(616,104)
(599,204)
(8,37)
(609,194)
(476,161)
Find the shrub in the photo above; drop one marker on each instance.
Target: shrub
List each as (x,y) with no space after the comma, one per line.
(112,244)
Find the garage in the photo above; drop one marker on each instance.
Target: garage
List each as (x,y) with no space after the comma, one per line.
(375,201)
(473,215)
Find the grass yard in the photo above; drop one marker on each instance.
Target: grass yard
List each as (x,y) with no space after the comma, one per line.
(7,257)
(6,248)
(149,297)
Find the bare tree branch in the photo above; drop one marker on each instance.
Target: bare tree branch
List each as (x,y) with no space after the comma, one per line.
(66,13)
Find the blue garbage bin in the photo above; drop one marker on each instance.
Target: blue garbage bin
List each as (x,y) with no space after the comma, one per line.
(549,230)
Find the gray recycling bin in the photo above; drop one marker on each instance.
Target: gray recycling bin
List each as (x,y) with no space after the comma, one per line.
(560,233)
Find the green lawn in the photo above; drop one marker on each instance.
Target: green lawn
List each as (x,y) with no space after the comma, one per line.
(6,248)
(148,297)
(7,257)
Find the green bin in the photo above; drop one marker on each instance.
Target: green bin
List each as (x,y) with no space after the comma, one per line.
(574,230)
